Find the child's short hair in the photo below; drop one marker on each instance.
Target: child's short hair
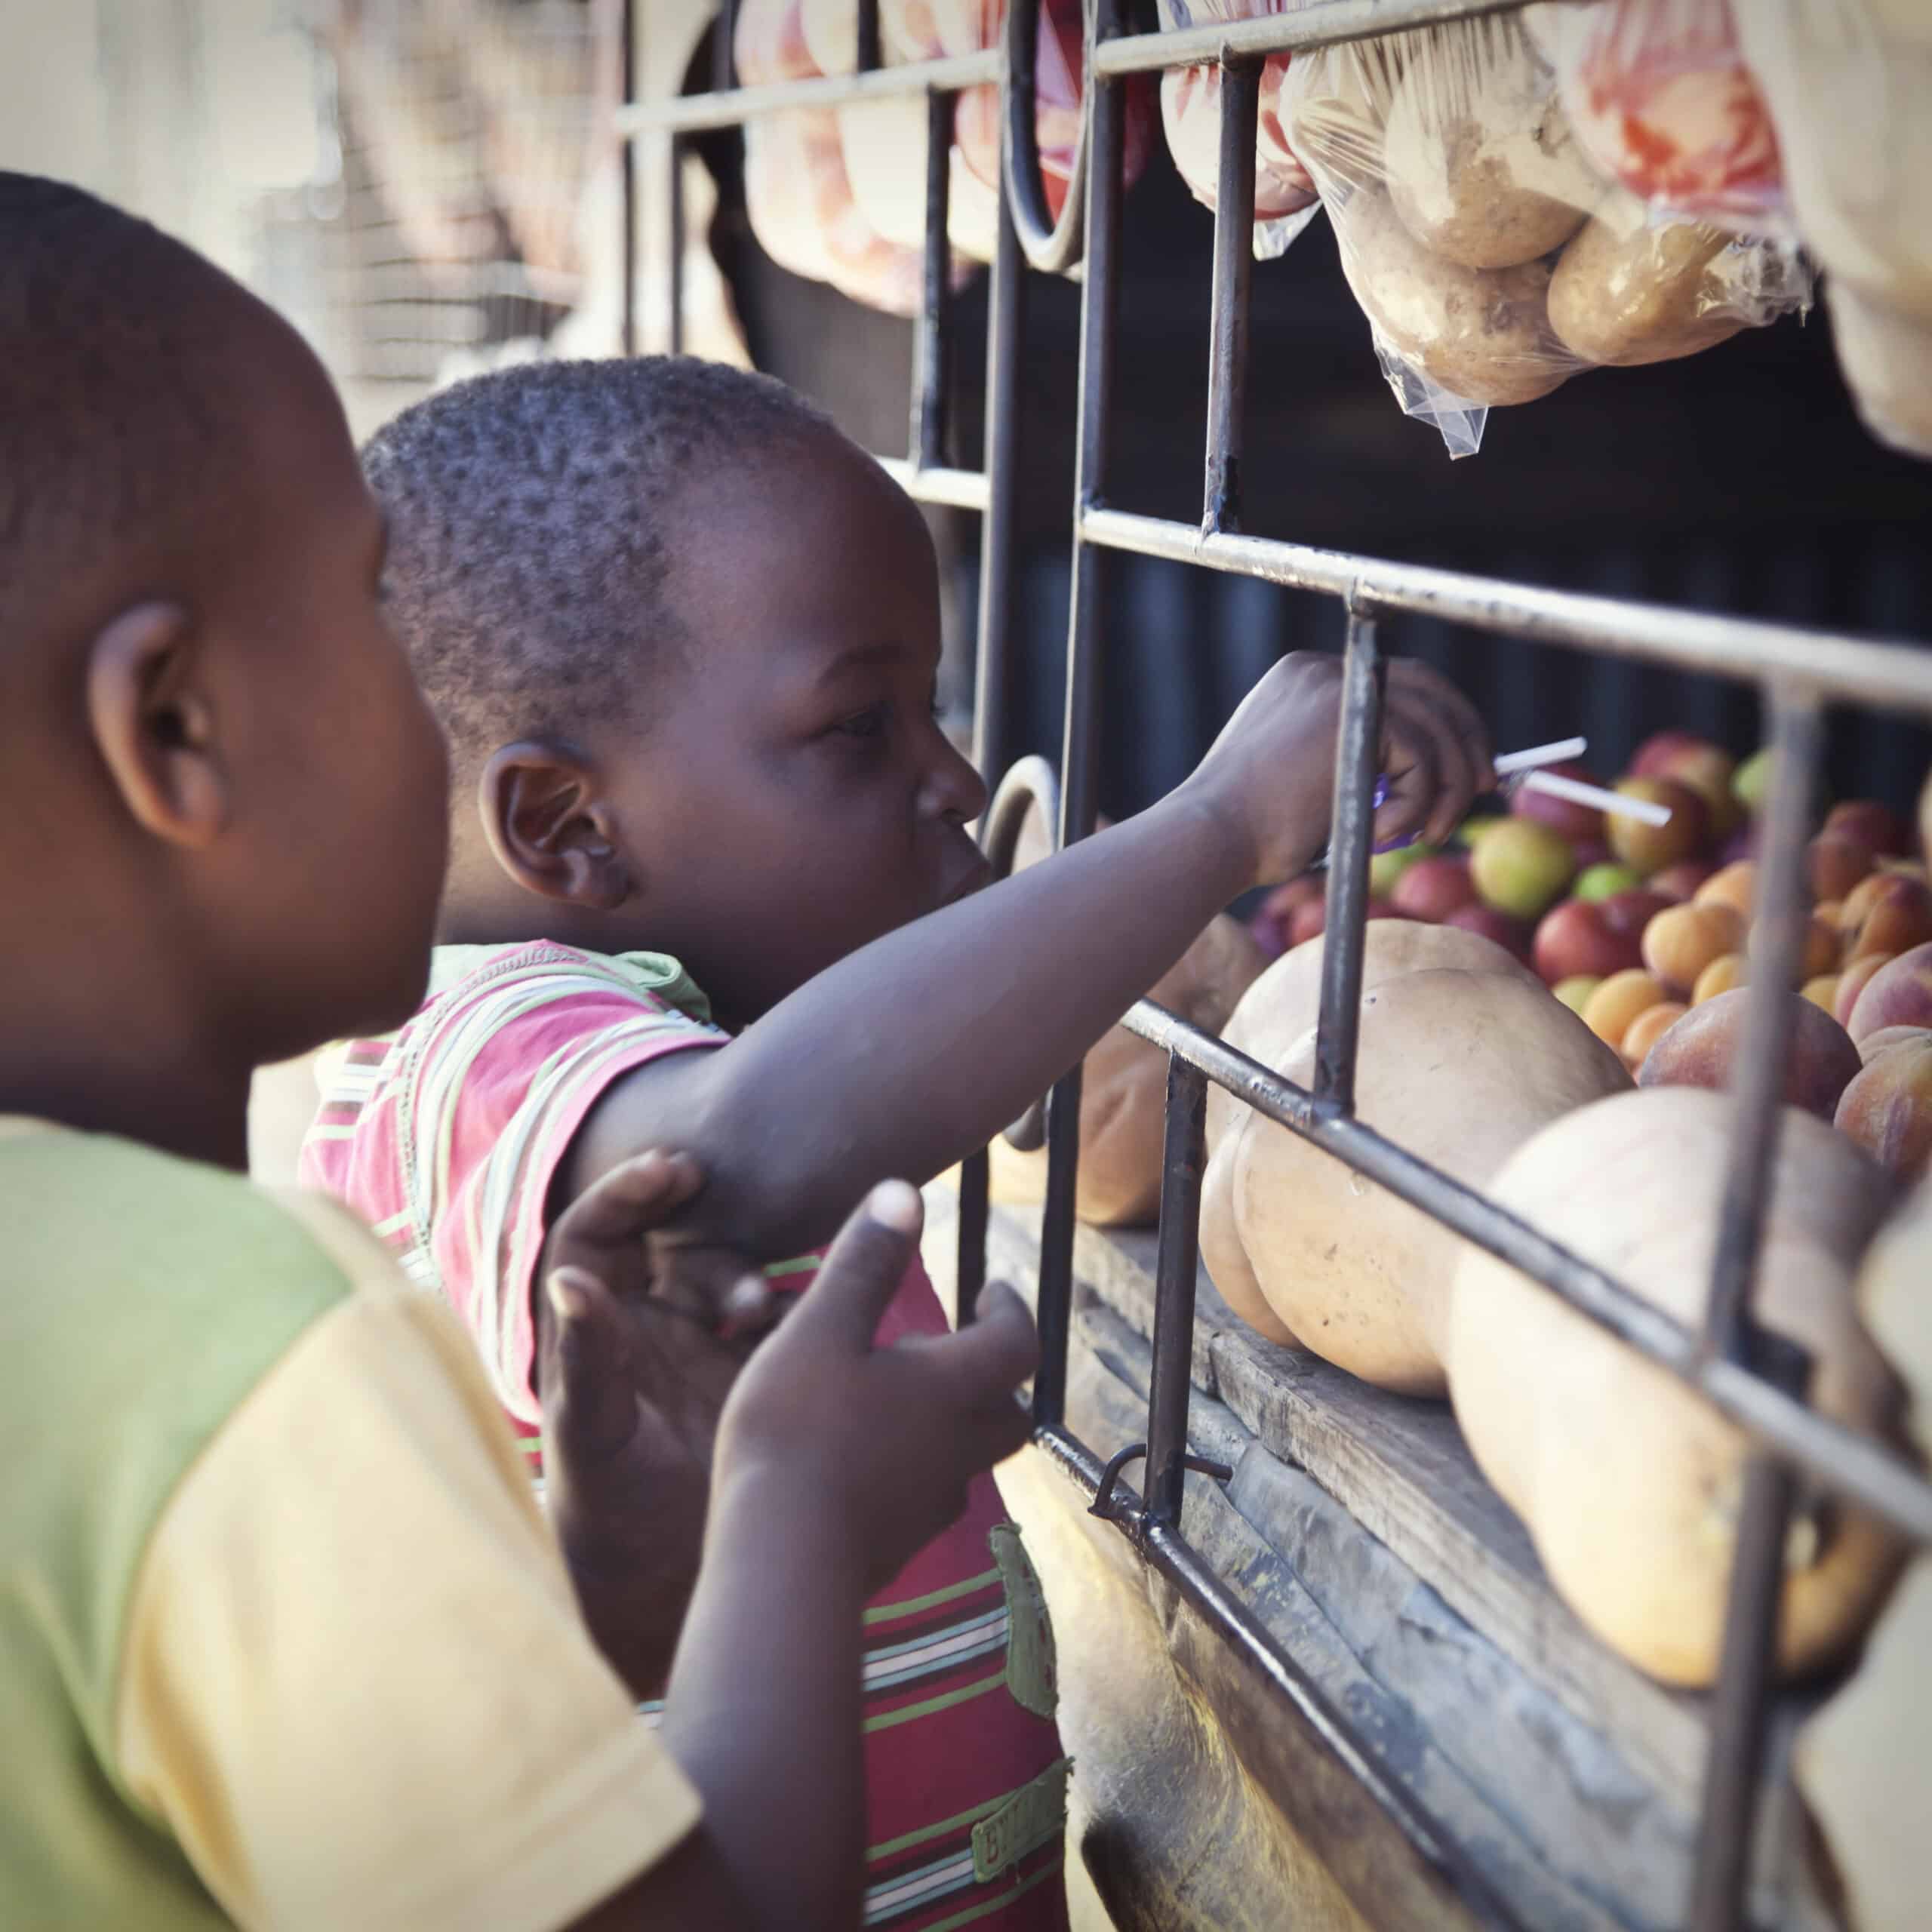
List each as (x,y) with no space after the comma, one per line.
(110,439)
(530,516)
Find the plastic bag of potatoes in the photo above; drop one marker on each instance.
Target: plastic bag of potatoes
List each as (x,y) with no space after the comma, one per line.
(1493,259)
(1284,197)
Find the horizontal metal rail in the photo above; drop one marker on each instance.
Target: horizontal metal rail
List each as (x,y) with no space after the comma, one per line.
(954,489)
(1880,673)
(1233,41)
(697,112)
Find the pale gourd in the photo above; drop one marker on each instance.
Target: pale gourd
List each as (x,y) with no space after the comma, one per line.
(1861,1762)
(1459,1063)
(1123,1080)
(1628,1483)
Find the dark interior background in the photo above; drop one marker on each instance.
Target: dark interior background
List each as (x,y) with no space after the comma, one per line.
(1739,480)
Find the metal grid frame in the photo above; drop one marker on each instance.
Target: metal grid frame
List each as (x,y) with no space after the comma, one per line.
(1755,1377)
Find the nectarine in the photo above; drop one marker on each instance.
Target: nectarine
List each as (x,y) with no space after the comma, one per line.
(1887,1107)
(1898,917)
(1900,994)
(1835,862)
(1852,982)
(1700,1051)
(1871,824)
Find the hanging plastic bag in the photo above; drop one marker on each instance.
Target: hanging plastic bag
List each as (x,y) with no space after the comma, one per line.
(1660,100)
(1850,85)
(1492,259)
(1284,197)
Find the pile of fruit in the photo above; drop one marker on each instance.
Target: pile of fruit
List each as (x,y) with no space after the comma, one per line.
(1647,931)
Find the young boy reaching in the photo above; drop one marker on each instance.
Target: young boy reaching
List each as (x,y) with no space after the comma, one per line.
(708,872)
(283,1641)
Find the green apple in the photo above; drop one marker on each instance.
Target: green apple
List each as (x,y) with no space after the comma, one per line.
(1521,867)
(1385,868)
(1599,881)
(1575,991)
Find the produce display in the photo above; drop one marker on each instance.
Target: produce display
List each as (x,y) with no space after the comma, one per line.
(1494,255)
(1124,1083)
(1284,199)
(1628,1482)
(1847,82)
(1463,1057)
(1860,1761)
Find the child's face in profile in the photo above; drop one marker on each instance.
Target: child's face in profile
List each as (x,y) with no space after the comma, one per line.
(796,798)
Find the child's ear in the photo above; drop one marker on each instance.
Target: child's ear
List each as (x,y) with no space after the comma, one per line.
(154,724)
(549,826)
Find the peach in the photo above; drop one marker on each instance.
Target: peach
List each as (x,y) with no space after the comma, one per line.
(1724,974)
(1651,848)
(1683,881)
(1822,992)
(1575,991)
(1701,1050)
(1512,935)
(1521,868)
(1818,951)
(1575,938)
(1873,1044)
(1681,942)
(1832,911)
(1887,1107)
(1433,887)
(1872,824)
(1564,816)
(1735,885)
(1856,906)
(1632,912)
(1853,981)
(1649,1027)
(1899,918)
(1609,1011)
(1900,994)
(1834,863)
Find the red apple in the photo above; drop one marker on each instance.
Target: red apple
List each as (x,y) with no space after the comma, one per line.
(1681,880)
(1592,852)
(1272,923)
(1512,935)
(1432,888)
(1574,822)
(1709,772)
(1651,848)
(1872,824)
(1574,940)
(1658,753)
(1632,912)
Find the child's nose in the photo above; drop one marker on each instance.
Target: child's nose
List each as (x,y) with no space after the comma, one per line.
(955,791)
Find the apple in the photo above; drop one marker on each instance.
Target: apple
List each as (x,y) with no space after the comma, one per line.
(1684,880)
(1649,848)
(1591,852)
(1609,1011)
(1872,824)
(1750,785)
(1709,772)
(1835,863)
(1469,834)
(1385,868)
(1900,994)
(1599,881)
(1632,912)
(1307,921)
(1575,992)
(1271,921)
(1512,935)
(1682,940)
(1433,887)
(1520,867)
(1887,1107)
(1574,940)
(1701,1049)
(1565,816)
(1655,756)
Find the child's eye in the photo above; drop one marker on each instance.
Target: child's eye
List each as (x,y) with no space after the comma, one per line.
(868,723)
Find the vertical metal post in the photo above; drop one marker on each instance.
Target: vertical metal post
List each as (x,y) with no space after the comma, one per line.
(627,166)
(1185,1157)
(1005,318)
(1079,754)
(1234,266)
(867,51)
(1351,836)
(1748,1671)
(676,344)
(932,346)
(724,75)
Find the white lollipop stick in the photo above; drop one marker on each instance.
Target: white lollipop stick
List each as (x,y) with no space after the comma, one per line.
(1613,803)
(1536,755)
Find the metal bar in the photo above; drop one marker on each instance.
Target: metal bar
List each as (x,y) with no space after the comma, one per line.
(867,49)
(975,1211)
(1352,819)
(1319,26)
(1006,310)
(1176,1272)
(1080,753)
(927,441)
(1052,245)
(627,168)
(1167,1551)
(1797,736)
(695,113)
(1234,268)
(958,489)
(1858,1467)
(1872,672)
(676,343)
(724,31)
